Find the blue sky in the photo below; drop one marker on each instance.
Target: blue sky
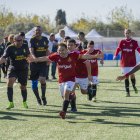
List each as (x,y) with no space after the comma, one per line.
(74,8)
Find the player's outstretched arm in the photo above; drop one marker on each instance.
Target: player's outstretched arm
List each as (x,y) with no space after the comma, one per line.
(38,59)
(135,69)
(88,56)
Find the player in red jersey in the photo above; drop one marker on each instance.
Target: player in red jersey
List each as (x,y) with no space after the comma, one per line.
(94,68)
(83,73)
(66,71)
(127,47)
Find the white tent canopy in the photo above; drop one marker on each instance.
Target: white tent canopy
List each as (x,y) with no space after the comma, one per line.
(29,34)
(68,32)
(93,34)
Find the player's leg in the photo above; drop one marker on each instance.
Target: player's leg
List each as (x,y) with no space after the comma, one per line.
(133,81)
(10,82)
(22,79)
(68,88)
(42,79)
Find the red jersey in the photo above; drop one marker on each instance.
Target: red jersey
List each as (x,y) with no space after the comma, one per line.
(94,63)
(66,66)
(81,69)
(127,48)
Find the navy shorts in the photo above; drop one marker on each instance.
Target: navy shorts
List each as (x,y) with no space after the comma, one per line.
(20,75)
(38,70)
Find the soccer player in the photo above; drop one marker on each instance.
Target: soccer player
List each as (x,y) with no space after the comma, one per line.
(39,48)
(83,72)
(94,68)
(127,47)
(134,69)
(18,68)
(66,70)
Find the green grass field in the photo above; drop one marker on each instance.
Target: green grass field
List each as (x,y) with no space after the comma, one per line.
(112,117)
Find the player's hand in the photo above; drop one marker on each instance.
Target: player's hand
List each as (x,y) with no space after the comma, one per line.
(31,59)
(114,57)
(102,61)
(120,78)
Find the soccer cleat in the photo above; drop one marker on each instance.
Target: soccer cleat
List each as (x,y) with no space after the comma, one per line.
(53,77)
(39,102)
(11,105)
(74,109)
(94,99)
(44,101)
(127,94)
(25,105)
(62,114)
(136,90)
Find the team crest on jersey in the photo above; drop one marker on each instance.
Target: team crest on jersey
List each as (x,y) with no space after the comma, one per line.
(15,52)
(69,59)
(131,45)
(24,50)
(37,44)
(44,43)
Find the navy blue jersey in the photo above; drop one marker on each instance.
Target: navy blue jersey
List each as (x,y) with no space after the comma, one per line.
(17,56)
(40,46)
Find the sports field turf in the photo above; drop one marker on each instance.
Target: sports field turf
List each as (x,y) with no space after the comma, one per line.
(112,117)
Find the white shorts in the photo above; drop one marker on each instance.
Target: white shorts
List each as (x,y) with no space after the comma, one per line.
(95,80)
(69,85)
(126,69)
(82,82)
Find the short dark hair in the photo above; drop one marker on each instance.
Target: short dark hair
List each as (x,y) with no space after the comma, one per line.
(22,34)
(91,42)
(67,37)
(72,41)
(81,33)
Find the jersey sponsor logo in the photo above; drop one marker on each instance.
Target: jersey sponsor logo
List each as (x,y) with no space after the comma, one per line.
(20,57)
(65,66)
(127,50)
(92,61)
(41,49)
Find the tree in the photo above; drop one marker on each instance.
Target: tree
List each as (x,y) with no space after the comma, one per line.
(60,18)
(122,16)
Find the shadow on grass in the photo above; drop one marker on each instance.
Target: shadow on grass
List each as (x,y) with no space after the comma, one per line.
(106,122)
(11,118)
(14,114)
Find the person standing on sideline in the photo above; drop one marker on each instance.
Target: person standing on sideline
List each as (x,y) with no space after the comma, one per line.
(127,47)
(52,47)
(82,41)
(39,48)
(18,68)
(54,64)
(61,36)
